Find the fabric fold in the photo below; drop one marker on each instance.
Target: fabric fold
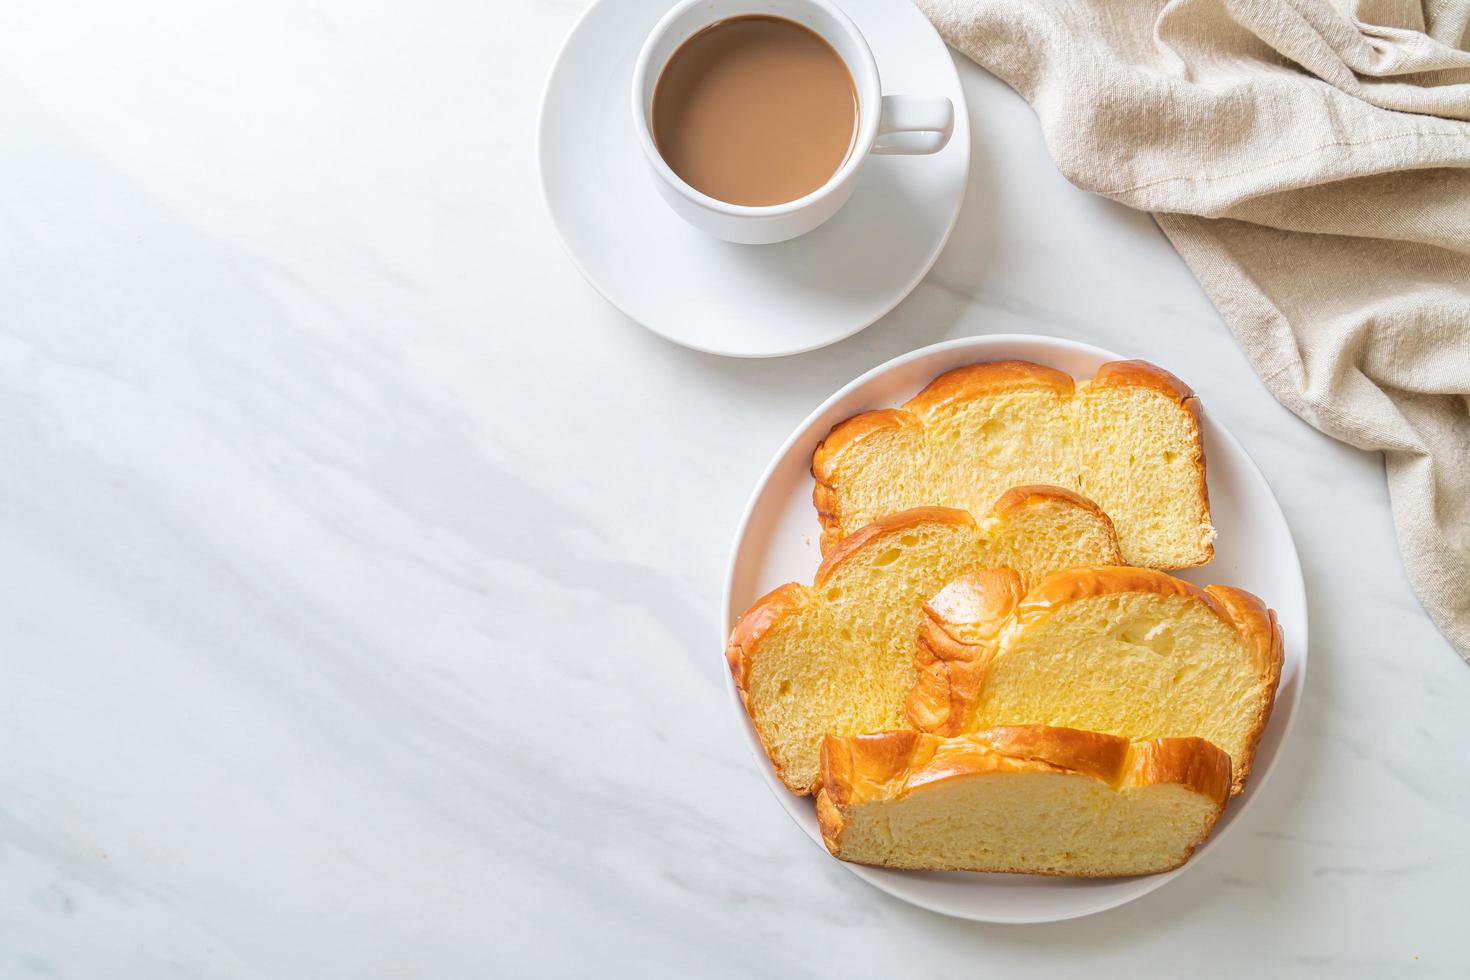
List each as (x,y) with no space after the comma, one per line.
(1310,161)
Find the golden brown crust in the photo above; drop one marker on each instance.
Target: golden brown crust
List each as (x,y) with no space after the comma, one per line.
(960,634)
(973,601)
(826,500)
(829,452)
(1194,763)
(1017,498)
(1090,581)
(829,821)
(979,380)
(753,624)
(893,524)
(955,647)
(1257,623)
(849,432)
(1142,374)
(889,766)
(850,765)
(1061,749)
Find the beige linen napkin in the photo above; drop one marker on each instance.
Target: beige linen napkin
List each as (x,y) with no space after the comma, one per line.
(1311,163)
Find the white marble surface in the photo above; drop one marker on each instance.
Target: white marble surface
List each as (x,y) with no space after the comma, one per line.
(360,564)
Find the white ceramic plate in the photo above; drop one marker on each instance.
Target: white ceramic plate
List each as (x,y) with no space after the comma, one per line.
(743,300)
(777,542)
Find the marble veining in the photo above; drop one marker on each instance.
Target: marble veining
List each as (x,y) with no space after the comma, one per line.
(360,564)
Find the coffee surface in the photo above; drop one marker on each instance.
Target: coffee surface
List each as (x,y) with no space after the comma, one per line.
(755,111)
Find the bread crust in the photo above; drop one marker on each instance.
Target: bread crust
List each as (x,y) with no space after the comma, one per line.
(842,438)
(950,666)
(977,381)
(793,598)
(1142,374)
(755,622)
(1257,622)
(890,766)
(1091,581)
(893,524)
(767,611)
(1017,498)
(964,622)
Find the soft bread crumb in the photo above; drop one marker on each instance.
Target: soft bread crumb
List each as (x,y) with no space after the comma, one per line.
(1128,440)
(1131,652)
(1061,802)
(838,656)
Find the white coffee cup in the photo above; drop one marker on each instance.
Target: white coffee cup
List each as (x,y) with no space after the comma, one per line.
(908,124)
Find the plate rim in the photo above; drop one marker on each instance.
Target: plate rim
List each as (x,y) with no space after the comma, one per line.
(987,342)
(962,128)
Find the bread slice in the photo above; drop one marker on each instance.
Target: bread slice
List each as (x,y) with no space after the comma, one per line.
(1027,799)
(1128,440)
(838,655)
(1127,651)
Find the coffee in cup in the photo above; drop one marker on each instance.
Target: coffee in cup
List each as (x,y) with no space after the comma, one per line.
(755,111)
(774,102)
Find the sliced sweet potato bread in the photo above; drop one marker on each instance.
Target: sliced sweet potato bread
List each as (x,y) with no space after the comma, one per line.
(1127,651)
(838,655)
(1129,440)
(1027,799)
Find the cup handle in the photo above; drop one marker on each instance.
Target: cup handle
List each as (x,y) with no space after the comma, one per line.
(914,124)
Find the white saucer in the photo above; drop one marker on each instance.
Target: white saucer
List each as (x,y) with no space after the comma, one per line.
(743,300)
(777,542)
